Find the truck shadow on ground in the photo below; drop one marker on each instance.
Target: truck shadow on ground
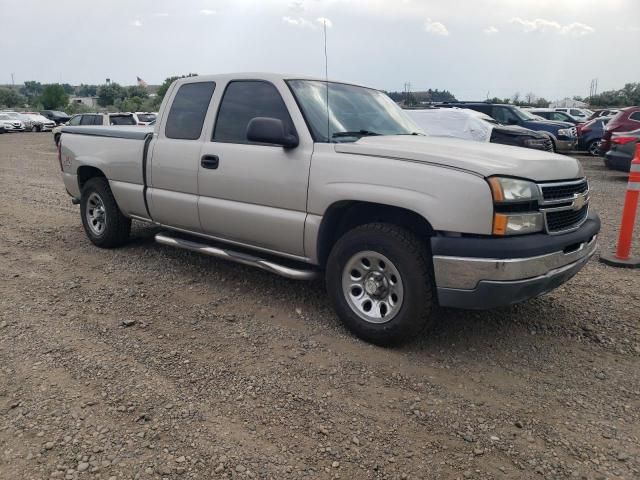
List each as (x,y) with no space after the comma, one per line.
(454,331)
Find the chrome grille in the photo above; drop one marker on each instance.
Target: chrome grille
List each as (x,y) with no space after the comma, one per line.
(565,205)
(565,190)
(563,220)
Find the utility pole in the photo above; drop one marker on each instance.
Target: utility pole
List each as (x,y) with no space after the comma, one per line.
(13,81)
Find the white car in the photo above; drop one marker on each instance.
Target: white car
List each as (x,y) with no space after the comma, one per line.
(26,122)
(578,113)
(10,124)
(39,123)
(144,118)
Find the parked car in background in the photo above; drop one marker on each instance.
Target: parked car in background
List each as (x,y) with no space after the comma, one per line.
(26,121)
(39,123)
(476,126)
(605,112)
(551,114)
(96,120)
(626,120)
(623,148)
(56,115)
(581,114)
(590,134)
(563,135)
(144,118)
(11,124)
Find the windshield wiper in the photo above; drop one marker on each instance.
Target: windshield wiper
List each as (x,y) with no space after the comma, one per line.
(358,133)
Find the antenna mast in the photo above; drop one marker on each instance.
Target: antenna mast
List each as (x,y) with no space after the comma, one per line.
(326,75)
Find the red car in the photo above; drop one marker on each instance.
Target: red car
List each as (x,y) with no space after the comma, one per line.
(626,120)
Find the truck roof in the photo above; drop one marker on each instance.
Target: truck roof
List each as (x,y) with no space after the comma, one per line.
(269,76)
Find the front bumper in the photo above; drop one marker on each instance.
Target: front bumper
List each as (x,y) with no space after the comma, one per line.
(488,272)
(566,145)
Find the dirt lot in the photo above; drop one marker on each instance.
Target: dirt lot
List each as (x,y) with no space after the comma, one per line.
(230,372)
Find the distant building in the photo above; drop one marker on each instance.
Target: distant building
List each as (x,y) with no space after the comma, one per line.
(568,103)
(86,101)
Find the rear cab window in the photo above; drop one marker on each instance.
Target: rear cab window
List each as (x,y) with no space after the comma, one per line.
(126,119)
(188,110)
(244,100)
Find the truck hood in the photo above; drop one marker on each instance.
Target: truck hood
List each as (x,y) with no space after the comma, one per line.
(547,123)
(484,159)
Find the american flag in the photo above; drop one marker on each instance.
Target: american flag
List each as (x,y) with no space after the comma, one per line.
(141,82)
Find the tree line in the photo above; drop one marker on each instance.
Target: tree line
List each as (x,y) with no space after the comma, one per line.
(110,96)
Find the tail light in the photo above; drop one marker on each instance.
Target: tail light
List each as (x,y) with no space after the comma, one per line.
(623,140)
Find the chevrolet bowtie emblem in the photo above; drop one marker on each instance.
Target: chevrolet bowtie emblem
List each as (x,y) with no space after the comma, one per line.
(579,202)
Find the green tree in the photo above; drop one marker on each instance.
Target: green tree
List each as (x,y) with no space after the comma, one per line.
(54,96)
(68,89)
(167,83)
(136,91)
(87,90)
(9,98)
(31,89)
(109,93)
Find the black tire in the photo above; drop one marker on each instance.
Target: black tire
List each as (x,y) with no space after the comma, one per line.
(409,256)
(116,227)
(56,138)
(593,148)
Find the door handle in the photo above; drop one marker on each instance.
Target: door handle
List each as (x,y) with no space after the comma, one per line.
(210,161)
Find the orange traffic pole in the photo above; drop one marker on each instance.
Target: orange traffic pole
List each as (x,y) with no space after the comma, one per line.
(622,257)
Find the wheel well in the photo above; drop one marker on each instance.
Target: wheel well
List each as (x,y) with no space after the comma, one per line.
(85,173)
(346,215)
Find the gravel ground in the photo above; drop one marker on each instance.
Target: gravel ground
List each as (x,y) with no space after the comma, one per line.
(149,362)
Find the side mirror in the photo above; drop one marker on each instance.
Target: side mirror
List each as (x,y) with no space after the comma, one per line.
(270,130)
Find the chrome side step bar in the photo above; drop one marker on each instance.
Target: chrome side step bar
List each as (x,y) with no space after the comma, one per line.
(245,259)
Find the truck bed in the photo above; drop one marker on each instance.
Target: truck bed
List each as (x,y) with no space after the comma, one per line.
(130,133)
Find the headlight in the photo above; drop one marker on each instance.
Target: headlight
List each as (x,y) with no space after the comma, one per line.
(506,189)
(566,132)
(539,143)
(515,206)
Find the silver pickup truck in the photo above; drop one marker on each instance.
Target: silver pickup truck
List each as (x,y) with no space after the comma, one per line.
(301,177)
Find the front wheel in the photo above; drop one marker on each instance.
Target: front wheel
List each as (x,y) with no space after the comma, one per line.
(380,282)
(103,222)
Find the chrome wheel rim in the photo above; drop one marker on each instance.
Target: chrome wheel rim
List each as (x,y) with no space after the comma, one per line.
(594,149)
(372,286)
(96,215)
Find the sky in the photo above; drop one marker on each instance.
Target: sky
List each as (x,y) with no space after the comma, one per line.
(473,48)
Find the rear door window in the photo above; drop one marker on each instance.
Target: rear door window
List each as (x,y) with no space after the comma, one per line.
(244,100)
(189,107)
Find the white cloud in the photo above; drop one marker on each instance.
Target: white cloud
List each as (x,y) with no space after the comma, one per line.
(324,21)
(206,11)
(577,29)
(490,30)
(161,14)
(543,25)
(436,28)
(298,22)
(296,6)
(136,23)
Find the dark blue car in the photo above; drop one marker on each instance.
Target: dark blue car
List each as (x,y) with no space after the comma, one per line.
(590,135)
(563,135)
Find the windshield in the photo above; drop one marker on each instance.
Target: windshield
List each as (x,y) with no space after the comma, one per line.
(524,115)
(353,111)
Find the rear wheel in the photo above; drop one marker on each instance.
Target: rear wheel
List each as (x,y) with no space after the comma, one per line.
(594,148)
(103,222)
(380,282)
